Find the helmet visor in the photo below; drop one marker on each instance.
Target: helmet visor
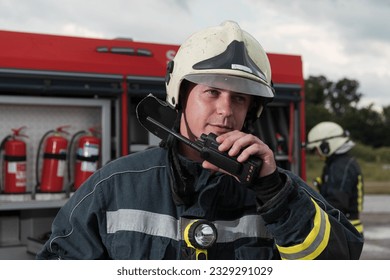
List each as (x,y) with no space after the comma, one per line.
(232,83)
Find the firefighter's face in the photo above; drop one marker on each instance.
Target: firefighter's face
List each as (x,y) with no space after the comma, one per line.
(207,109)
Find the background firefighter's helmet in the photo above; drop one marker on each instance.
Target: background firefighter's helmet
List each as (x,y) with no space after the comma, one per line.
(327,137)
(224,57)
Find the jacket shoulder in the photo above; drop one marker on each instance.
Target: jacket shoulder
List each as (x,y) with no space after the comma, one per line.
(142,160)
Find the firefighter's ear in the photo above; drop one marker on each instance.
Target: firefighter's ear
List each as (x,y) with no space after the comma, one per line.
(169,72)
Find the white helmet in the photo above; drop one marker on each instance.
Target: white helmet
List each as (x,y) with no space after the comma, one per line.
(225,57)
(327,137)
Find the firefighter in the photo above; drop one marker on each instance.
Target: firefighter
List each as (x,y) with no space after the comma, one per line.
(168,203)
(341,182)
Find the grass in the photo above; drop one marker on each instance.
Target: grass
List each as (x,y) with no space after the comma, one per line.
(375,165)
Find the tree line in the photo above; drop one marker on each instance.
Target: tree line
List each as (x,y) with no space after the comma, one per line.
(326,100)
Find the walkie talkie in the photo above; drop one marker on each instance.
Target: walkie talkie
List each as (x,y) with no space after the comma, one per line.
(207,145)
(246,171)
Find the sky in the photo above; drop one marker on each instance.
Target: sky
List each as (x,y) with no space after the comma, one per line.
(336,38)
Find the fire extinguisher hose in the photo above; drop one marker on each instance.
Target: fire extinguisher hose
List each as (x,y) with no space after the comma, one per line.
(70,152)
(37,158)
(6,138)
(2,144)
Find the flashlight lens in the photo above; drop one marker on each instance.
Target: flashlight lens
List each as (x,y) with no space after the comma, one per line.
(205,235)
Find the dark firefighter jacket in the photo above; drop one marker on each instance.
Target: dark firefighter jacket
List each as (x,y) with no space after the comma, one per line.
(342,186)
(126,211)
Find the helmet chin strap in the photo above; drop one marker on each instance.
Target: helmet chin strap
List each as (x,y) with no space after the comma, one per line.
(182,109)
(190,135)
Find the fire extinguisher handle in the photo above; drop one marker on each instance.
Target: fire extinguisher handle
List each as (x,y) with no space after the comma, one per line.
(95,130)
(62,128)
(17,132)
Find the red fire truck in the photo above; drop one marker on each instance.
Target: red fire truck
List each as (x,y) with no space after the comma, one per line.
(50,82)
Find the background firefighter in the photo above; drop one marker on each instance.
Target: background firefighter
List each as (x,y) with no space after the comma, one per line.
(341,182)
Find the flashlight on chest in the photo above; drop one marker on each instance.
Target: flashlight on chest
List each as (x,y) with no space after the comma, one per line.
(200,235)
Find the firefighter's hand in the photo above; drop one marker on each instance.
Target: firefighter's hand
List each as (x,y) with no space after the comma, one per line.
(241,145)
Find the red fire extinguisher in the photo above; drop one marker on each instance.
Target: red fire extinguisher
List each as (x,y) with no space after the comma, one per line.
(14,164)
(87,155)
(54,161)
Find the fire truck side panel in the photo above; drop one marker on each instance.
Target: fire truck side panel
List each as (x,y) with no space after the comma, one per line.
(117,73)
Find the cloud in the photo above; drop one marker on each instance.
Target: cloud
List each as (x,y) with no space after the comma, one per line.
(336,38)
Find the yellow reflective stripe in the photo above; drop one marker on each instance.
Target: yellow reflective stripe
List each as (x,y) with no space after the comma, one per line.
(360,193)
(314,244)
(360,229)
(357,224)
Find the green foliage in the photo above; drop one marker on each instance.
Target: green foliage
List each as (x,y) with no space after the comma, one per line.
(365,125)
(314,167)
(338,101)
(375,164)
(315,90)
(317,113)
(364,153)
(343,95)
(372,155)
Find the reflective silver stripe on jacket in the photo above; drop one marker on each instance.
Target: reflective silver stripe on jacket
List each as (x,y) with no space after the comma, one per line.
(166,226)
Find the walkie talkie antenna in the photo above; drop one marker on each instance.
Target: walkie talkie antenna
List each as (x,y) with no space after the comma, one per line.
(177,135)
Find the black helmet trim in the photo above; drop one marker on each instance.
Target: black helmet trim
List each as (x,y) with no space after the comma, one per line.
(235,57)
(232,83)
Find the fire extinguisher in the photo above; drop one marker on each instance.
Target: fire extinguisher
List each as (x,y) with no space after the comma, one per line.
(86,155)
(54,161)
(15,162)
(281,148)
